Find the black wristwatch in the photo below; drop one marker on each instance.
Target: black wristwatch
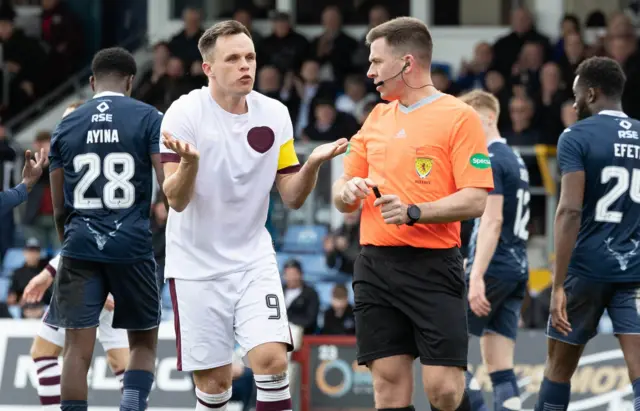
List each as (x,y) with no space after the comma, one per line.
(413,212)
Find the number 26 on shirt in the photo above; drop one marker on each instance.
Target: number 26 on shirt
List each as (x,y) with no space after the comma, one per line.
(623,181)
(116,179)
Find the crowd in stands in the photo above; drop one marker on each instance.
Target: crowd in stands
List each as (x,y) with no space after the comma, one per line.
(323,82)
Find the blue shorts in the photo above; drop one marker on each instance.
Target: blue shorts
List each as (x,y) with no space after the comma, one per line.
(81,288)
(586,302)
(506,299)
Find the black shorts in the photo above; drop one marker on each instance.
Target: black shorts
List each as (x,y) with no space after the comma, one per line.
(81,288)
(411,301)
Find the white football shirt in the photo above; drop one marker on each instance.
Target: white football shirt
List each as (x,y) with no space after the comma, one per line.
(222,230)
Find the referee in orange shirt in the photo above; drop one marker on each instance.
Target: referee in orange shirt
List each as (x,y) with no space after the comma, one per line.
(426,153)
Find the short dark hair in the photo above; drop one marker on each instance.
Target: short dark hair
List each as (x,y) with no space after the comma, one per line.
(114,61)
(340,291)
(407,34)
(573,19)
(222,29)
(293,263)
(604,74)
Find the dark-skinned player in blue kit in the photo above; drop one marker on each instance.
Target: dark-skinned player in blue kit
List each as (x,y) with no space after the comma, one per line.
(102,159)
(597,232)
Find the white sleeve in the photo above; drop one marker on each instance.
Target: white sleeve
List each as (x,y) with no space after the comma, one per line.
(52,266)
(178,123)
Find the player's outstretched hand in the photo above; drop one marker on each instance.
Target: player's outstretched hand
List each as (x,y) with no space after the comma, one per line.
(328,151)
(393,210)
(32,167)
(559,317)
(186,152)
(109,304)
(356,189)
(36,288)
(477,298)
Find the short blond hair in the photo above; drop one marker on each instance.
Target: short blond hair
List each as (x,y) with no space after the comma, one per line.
(222,29)
(480,99)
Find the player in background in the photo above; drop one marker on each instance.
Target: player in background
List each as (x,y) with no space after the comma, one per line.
(47,345)
(596,233)
(497,270)
(224,146)
(101,161)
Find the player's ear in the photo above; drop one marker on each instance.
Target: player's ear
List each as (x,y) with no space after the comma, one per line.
(92,82)
(591,95)
(129,84)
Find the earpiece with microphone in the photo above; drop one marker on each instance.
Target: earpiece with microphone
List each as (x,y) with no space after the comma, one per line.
(406,64)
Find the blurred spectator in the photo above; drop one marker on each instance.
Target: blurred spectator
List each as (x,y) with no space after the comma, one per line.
(170,86)
(303,304)
(158,228)
(4,311)
(570,25)
(184,45)
(329,125)
(575,52)
(245,17)
(62,33)
(535,310)
(507,49)
(526,71)
(621,44)
(38,215)
(342,247)
(33,265)
(472,72)
(568,113)
(33,311)
(7,165)
(333,48)
(151,78)
(442,82)
(339,319)
(23,61)
(549,99)
(355,96)
(299,94)
(284,48)
(269,82)
(377,15)
(368,108)
(495,84)
(522,131)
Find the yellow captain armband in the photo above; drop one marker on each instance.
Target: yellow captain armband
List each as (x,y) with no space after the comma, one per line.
(288,159)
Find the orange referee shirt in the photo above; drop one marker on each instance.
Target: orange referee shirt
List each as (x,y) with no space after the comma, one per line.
(420,153)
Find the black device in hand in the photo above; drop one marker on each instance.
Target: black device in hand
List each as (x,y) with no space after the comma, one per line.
(376,192)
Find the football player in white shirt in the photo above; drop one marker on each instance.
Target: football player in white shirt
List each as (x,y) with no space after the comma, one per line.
(47,345)
(224,146)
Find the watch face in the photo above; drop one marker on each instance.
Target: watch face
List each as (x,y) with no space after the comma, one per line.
(414,212)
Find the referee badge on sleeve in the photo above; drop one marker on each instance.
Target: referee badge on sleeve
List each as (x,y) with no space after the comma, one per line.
(423,166)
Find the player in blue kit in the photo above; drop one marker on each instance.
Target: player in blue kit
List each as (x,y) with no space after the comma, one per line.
(102,159)
(597,232)
(497,268)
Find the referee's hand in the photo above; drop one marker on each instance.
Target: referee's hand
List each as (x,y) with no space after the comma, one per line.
(356,189)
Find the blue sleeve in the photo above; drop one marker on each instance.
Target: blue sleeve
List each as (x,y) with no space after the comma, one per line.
(55,160)
(496,169)
(570,151)
(13,197)
(155,121)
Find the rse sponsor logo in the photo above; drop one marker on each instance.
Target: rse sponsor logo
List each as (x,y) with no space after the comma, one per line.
(628,134)
(102,117)
(480,161)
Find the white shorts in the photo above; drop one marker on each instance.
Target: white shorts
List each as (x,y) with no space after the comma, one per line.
(110,338)
(211,315)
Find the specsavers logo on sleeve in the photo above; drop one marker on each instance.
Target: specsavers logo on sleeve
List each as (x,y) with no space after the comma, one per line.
(480,161)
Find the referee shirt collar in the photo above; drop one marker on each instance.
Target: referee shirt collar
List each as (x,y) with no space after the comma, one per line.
(420,103)
(108,93)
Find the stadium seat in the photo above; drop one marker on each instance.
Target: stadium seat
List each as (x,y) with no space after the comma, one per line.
(5,283)
(325,294)
(15,311)
(304,239)
(13,259)
(314,266)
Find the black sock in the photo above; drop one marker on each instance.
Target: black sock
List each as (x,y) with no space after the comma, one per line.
(409,408)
